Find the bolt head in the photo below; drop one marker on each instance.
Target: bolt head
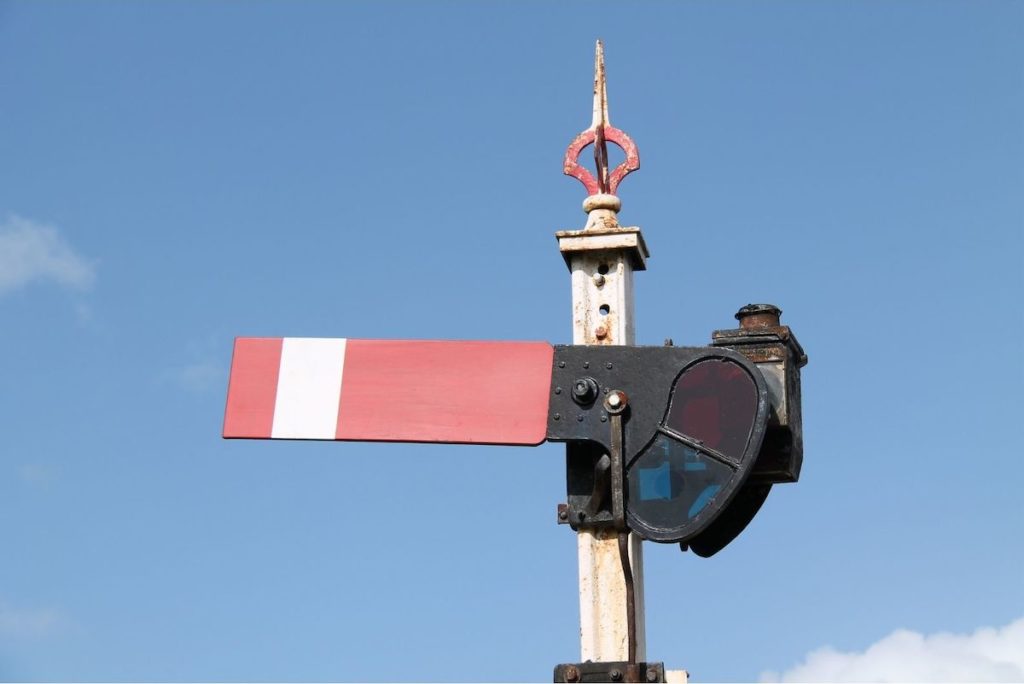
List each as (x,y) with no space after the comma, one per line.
(616,402)
(572,674)
(652,675)
(615,675)
(584,391)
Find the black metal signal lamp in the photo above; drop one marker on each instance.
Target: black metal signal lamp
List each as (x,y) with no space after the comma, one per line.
(709,430)
(696,421)
(778,356)
(774,349)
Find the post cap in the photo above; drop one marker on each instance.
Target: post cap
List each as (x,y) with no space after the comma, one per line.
(754,316)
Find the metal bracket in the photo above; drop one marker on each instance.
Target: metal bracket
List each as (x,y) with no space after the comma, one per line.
(615,403)
(610,672)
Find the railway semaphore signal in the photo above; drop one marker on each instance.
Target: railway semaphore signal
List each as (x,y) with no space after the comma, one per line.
(667,444)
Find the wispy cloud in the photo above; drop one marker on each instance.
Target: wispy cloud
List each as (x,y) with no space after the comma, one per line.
(201,376)
(987,655)
(29,622)
(37,474)
(203,365)
(32,251)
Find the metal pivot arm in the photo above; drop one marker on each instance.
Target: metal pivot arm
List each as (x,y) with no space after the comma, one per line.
(615,404)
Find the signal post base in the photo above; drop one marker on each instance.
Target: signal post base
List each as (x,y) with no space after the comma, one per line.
(620,671)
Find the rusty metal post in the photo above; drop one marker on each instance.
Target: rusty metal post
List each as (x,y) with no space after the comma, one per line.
(602,258)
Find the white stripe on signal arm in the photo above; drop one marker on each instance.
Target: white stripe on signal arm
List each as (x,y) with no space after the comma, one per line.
(308,388)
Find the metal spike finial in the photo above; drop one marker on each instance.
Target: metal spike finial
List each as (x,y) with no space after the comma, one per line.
(600,132)
(600,89)
(600,119)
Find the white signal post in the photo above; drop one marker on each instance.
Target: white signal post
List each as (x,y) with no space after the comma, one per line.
(602,258)
(602,276)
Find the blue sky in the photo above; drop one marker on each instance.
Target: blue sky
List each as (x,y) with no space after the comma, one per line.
(175,175)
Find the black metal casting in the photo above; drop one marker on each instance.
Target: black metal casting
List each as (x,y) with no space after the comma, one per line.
(774,349)
(652,378)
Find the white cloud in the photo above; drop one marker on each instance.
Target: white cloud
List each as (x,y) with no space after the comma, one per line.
(29,623)
(987,655)
(31,251)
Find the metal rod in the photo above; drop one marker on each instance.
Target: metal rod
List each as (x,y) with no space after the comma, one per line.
(618,473)
(627,573)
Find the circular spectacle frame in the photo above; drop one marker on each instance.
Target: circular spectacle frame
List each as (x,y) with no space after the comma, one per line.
(701,452)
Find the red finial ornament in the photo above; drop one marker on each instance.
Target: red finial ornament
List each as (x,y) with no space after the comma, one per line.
(599,134)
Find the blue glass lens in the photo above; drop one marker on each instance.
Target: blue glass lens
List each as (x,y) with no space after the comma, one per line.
(671,483)
(655,483)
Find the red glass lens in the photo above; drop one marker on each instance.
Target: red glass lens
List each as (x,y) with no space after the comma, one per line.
(715,402)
